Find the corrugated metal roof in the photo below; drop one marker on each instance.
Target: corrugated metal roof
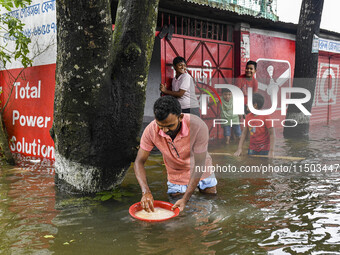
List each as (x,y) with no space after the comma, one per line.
(231,5)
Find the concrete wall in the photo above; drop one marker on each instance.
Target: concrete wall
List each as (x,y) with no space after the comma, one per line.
(154,80)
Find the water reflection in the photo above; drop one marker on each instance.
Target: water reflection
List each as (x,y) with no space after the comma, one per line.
(313,219)
(261,214)
(27,210)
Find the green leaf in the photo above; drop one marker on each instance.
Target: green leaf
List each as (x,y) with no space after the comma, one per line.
(127,194)
(17,3)
(14,32)
(117,195)
(103,193)
(17,55)
(8,8)
(106,197)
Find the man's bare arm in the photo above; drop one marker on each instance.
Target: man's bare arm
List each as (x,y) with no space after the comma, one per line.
(272,141)
(242,139)
(165,91)
(147,198)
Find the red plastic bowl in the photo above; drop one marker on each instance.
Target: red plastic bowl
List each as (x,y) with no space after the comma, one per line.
(166,205)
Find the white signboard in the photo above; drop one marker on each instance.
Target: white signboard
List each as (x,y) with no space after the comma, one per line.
(315,46)
(329,45)
(41,26)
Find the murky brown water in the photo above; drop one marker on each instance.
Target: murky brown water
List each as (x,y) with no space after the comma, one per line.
(261,213)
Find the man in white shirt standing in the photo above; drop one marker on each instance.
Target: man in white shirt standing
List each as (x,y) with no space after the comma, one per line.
(183,88)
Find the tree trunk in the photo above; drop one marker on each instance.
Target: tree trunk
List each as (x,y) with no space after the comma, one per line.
(4,146)
(306,64)
(100,90)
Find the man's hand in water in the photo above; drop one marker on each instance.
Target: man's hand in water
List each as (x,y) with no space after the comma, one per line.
(147,202)
(180,204)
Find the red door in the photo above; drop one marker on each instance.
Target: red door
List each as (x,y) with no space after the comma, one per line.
(209,62)
(327,96)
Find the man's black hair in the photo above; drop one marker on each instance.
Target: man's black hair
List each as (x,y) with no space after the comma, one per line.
(178,60)
(251,62)
(225,90)
(166,105)
(258,99)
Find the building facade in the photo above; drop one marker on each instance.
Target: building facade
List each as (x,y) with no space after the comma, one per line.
(216,38)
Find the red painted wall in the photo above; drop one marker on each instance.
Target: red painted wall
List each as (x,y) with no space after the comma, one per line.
(28,115)
(326,105)
(279,53)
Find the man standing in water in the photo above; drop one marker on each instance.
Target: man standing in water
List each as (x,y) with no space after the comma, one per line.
(183,141)
(247,80)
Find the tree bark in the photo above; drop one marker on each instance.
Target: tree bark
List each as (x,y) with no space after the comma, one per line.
(306,64)
(4,146)
(100,90)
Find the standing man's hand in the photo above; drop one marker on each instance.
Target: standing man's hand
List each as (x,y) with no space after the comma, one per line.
(162,88)
(180,204)
(238,152)
(147,202)
(271,154)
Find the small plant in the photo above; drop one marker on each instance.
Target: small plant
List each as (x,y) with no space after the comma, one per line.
(12,29)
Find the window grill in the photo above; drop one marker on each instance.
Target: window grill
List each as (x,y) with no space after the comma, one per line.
(195,27)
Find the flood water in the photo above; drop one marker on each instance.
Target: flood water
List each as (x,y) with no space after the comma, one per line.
(261,213)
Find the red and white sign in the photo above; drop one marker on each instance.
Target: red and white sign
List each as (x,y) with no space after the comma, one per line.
(28,115)
(270,74)
(327,89)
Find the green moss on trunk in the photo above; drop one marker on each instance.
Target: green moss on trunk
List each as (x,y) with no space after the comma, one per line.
(4,146)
